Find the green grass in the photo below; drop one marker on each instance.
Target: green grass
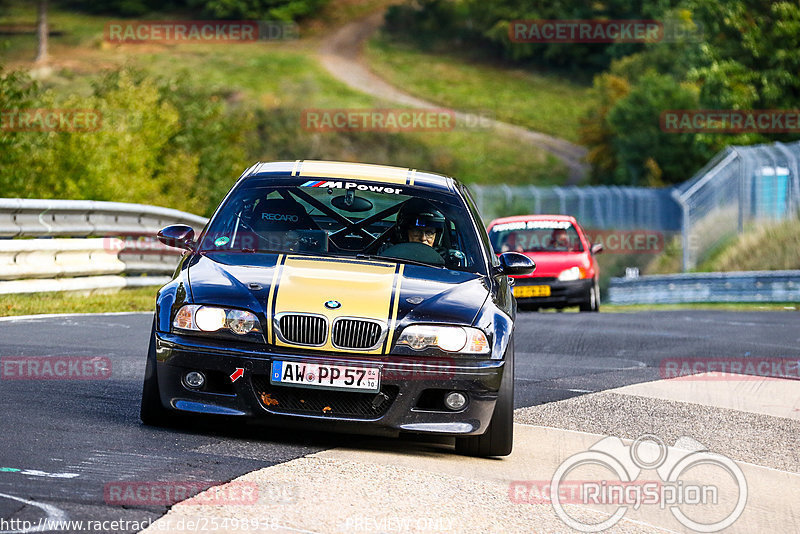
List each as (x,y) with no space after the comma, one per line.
(773,246)
(143,299)
(124,300)
(766,247)
(274,78)
(541,102)
(68,30)
(669,261)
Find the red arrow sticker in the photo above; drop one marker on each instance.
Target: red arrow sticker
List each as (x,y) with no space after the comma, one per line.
(237,374)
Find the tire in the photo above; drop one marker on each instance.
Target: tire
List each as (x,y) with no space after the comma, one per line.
(592,302)
(152,411)
(498,440)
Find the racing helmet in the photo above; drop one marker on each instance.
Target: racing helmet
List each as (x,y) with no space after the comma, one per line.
(419,213)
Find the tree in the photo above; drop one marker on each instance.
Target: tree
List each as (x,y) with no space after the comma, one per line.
(42,32)
(645,153)
(595,132)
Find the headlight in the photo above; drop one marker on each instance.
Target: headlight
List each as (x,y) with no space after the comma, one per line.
(462,339)
(573,273)
(211,319)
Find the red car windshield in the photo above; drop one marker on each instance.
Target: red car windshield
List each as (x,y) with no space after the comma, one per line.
(535,236)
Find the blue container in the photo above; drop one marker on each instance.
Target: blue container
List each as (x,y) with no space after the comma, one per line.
(771,193)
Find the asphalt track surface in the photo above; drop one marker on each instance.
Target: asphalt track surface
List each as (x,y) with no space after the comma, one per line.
(64,441)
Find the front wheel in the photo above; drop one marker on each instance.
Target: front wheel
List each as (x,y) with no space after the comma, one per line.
(152,411)
(498,439)
(592,302)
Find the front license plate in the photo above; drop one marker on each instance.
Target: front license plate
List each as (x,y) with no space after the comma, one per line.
(531,291)
(322,376)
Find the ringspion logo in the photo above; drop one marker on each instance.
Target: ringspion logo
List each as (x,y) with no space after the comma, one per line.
(614,477)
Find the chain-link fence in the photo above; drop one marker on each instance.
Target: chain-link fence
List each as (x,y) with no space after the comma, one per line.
(595,207)
(740,186)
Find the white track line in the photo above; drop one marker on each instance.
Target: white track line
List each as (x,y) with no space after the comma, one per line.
(13,318)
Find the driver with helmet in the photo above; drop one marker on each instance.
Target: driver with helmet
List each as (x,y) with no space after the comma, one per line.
(418,221)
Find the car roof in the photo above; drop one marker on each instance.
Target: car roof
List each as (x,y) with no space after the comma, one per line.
(365,172)
(538,217)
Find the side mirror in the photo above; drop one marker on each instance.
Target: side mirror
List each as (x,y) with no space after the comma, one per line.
(597,248)
(178,236)
(514,263)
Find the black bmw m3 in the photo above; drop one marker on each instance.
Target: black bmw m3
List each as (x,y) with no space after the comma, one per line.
(340,296)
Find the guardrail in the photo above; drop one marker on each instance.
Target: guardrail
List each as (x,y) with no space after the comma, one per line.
(70,245)
(22,217)
(743,286)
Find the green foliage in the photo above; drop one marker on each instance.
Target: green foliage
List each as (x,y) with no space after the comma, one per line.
(596,133)
(751,60)
(737,55)
(638,136)
(747,59)
(124,8)
(541,102)
(768,247)
(286,10)
(160,142)
(130,157)
(215,129)
(485,24)
(17,91)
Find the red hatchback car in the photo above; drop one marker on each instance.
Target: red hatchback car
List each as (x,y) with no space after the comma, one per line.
(566,270)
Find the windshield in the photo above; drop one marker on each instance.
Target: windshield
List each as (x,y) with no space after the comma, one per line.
(408,225)
(535,236)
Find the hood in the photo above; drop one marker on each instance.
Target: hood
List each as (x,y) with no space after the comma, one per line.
(550,264)
(394,294)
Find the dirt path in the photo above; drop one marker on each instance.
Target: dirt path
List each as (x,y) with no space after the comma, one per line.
(342,55)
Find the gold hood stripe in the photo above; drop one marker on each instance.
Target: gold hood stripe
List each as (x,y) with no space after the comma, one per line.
(354,171)
(364,289)
(387,343)
(273,289)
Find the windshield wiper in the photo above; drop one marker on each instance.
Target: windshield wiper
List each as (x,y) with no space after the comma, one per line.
(397,260)
(248,250)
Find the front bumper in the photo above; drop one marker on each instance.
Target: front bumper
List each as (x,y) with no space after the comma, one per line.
(407,385)
(562,294)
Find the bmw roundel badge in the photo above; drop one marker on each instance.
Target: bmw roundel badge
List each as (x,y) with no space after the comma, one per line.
(333,304)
